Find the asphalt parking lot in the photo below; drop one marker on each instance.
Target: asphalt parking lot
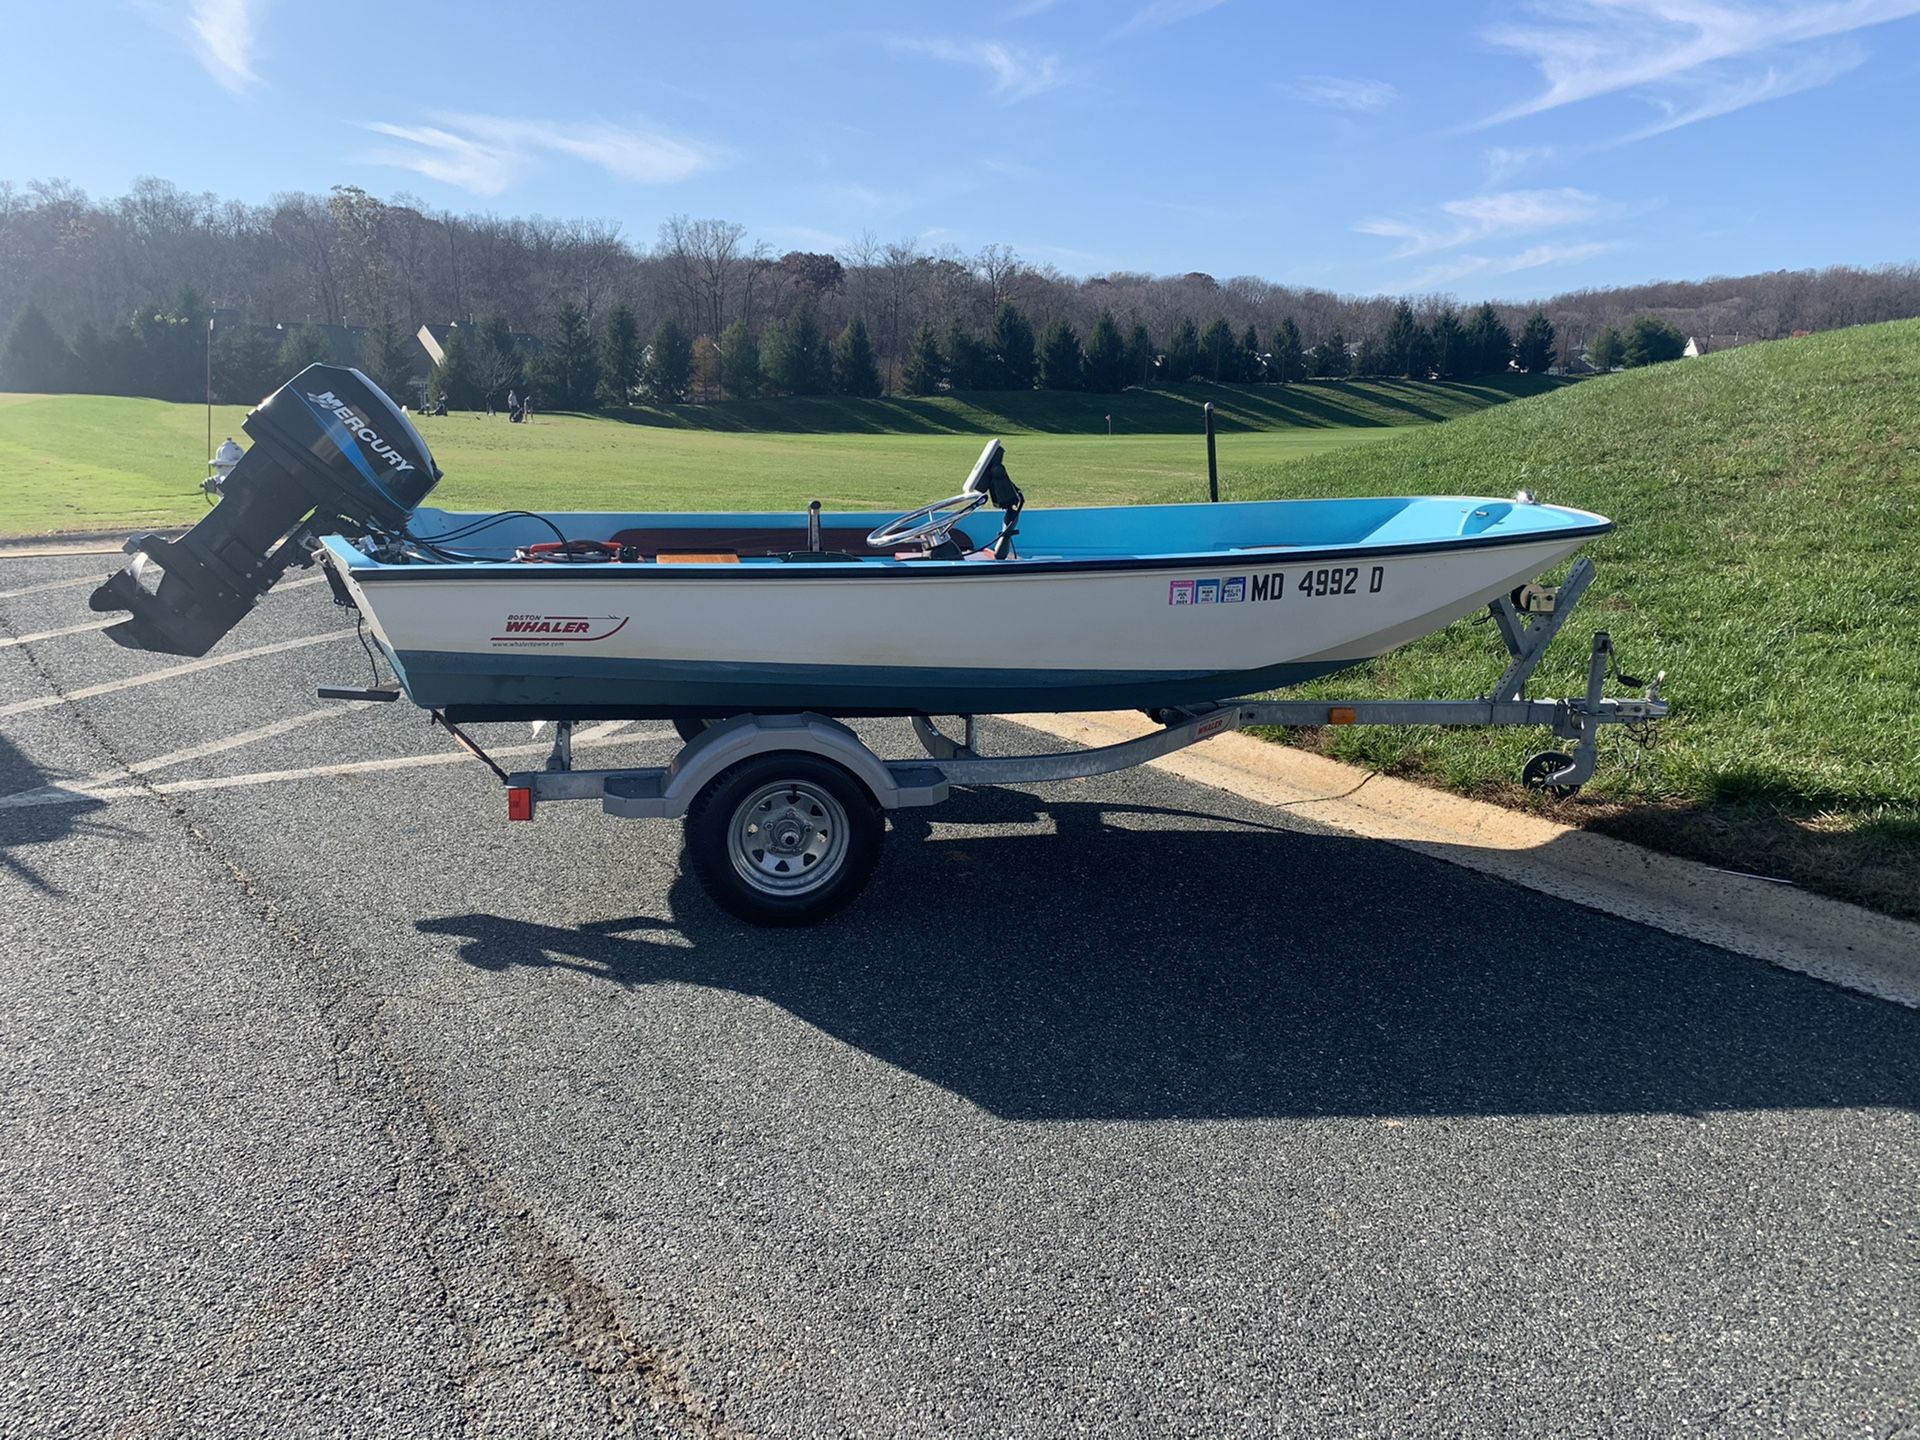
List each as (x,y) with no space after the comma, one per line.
(334,1104)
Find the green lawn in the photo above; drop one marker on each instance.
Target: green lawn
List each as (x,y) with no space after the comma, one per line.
(1767,557)
(85,462)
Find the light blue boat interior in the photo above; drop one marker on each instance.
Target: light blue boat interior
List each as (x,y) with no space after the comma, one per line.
(1086,533)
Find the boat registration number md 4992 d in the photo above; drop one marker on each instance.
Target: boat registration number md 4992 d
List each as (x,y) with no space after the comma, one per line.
(1315,583)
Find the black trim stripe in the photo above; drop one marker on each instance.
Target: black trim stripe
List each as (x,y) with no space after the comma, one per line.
(871,570)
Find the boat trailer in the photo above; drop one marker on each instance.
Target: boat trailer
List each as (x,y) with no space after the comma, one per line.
(784,812)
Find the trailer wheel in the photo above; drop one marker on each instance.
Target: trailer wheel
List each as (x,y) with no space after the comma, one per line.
(1541,768)
(784,839)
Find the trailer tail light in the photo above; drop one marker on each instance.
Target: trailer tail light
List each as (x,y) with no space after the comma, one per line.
(519,803)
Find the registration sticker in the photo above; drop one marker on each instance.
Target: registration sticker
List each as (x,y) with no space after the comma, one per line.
(1180,592)
(1206,592)
(1233,589)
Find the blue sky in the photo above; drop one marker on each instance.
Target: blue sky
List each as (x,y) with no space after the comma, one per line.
(1508,150)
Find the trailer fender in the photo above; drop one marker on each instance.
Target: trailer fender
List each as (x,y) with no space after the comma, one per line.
(668,793)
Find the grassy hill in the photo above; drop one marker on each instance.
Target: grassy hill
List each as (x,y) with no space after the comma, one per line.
(1318,404)
(79,462)
(1767,556)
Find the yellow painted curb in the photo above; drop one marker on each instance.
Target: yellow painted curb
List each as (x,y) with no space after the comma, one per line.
(1784,926)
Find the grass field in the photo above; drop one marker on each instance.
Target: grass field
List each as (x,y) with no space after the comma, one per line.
(80,462)
(1767,556)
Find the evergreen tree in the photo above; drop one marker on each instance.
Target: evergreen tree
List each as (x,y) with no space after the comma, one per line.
(93,362)
(1062,367)
(1289,355)
(246,362)
(452,382)
(969,365)
(926,366)
(568,370)
(1183,353)
(1373,359)
(1252,367)
(667,370)
(1219,353)
(1330,359)
(1489,343)
(739,362)
(795,355)
(33,357)
(304,345)
(1420,354)
(1400,345)
(1648,341)
(854,372)
(1606,351)
(499,369)
(620,356)
(1010,342)
(1143,357)
(1449,344)
(1534,349)
(386,360)
(1106,358)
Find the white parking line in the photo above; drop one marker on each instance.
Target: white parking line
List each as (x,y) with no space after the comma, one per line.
(192,667)
(56,634)
(111,619)
(50,585)
(87,792)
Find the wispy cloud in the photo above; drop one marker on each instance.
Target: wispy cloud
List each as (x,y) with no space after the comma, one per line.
(1158,14)
(1535,257)
(1585,49)
(486,154)
(225,34)
(1506,161)
(1501,214)
(1339,93)
(1018,73)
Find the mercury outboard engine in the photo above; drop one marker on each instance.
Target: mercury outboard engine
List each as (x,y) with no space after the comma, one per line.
(331,455)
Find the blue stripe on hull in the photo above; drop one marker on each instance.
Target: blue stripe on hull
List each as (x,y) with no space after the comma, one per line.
(502,687)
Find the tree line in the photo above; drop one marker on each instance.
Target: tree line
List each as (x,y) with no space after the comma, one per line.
(114,294)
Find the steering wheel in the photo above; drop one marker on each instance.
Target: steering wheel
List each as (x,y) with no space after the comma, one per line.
(929,524)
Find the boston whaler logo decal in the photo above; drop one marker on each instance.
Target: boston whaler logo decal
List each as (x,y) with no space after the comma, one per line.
(360,430)
(559,629)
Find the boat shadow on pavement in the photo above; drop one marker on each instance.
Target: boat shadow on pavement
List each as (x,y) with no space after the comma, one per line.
(24,826)
(1151,964)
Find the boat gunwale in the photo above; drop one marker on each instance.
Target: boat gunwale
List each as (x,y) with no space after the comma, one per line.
(364,569)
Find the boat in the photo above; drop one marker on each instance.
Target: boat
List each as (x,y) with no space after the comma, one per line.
(758,634)
(974,604)
(710,615)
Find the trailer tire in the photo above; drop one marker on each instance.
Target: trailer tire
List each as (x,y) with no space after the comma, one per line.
(688,729)
(784,838)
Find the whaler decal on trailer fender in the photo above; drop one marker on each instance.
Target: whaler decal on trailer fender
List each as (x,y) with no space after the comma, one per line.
(559,629)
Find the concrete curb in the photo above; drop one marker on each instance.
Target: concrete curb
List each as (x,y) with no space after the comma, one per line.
(1833,941)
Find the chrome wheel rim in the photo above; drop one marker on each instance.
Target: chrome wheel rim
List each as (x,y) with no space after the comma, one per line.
(787,839)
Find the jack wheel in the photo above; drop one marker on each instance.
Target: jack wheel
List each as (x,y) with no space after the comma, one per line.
(784,839)
(1542,768)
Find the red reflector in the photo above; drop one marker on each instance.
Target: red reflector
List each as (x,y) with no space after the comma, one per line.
(519,803)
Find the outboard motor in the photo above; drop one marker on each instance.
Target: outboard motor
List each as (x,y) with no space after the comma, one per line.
(331,455)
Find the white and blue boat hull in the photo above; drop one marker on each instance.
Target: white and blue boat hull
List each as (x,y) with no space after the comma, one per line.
(1073,627)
